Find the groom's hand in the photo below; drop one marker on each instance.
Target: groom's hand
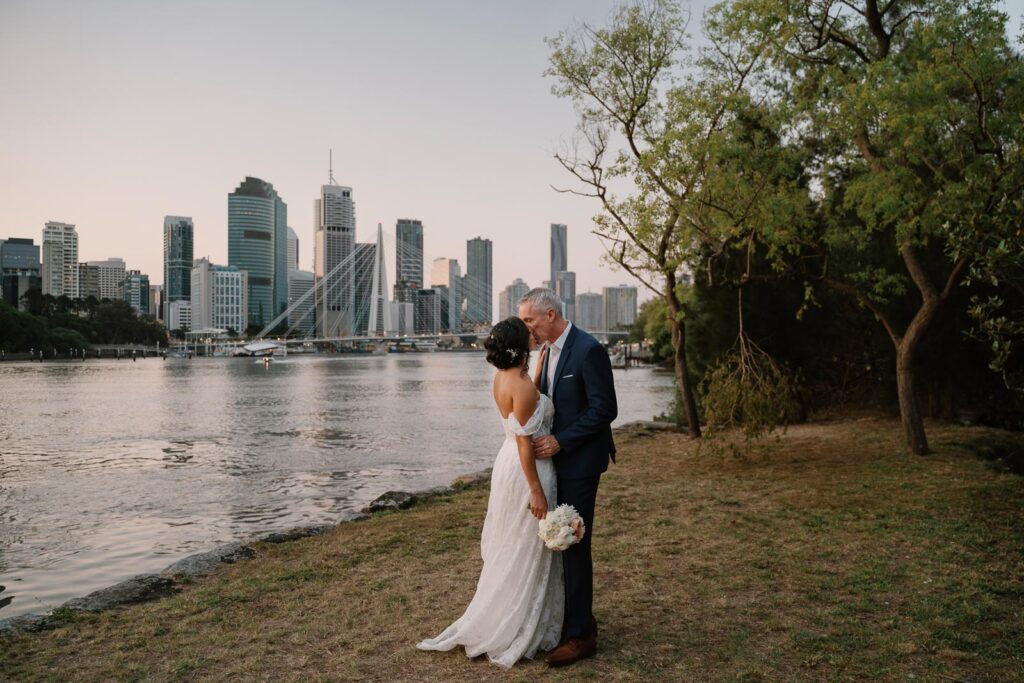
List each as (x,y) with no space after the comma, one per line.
(545,446)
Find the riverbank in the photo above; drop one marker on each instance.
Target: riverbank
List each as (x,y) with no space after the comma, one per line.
(828,555)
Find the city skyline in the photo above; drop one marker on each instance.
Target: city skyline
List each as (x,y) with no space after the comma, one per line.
(482,130)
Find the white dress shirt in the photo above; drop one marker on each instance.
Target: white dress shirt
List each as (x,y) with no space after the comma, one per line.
(554,351)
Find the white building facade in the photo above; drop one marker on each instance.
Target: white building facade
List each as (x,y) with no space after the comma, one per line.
(219,297)
(60,260)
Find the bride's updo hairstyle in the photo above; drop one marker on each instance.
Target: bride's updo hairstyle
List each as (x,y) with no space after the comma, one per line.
(508,344)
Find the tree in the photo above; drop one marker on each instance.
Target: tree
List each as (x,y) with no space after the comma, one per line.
(914,110)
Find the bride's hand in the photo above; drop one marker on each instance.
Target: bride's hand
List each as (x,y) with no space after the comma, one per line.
(538,504)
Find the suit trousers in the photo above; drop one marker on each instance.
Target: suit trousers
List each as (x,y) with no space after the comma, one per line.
(577,562)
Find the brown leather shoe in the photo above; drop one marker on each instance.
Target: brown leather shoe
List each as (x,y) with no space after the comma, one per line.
(572,651)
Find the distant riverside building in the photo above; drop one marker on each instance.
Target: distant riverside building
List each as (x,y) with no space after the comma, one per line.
(427,314)
(446,273)
(179,315)
(559,251)
(589,311)
(293,250)
(135,290)
(88,281)
(19,269)
(219,297)
(478,282)
(59,267)
(301,320)
(401,318)
(156,299)
(408,260)
(333,245)
(508,299)
(565,288)
(258,244)
(111,273)
(177,260)
(619,307)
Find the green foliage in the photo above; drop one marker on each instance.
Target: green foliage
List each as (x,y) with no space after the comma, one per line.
(652,324)
(63,324)
(749,389)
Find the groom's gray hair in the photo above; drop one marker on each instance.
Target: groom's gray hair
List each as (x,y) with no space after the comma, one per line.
(542,299)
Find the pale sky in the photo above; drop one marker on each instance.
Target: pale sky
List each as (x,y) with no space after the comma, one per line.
(116,113)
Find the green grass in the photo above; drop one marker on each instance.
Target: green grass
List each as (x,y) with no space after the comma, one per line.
(828,555)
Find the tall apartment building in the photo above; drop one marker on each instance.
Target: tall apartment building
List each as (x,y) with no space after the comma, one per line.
(219,297)
(177,260)
(88,281)
(565,288)
(478,283)
(258,244)
(446,273)
(508,299)
(111,275)
(60,260)
(620,304)
(589,311)
(333,248)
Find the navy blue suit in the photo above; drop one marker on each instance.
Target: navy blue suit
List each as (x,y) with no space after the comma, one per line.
(584,399)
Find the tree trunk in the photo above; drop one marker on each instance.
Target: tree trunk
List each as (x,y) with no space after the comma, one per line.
(682,372)
(910,414)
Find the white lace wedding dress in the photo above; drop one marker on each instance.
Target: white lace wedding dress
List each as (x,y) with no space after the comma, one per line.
(518,606)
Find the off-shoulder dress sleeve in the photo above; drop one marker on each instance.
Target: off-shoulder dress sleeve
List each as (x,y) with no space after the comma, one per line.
(532,425)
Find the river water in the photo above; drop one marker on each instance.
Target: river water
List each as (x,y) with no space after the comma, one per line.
(114,468)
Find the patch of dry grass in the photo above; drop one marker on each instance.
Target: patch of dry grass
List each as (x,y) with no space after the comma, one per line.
(827,555)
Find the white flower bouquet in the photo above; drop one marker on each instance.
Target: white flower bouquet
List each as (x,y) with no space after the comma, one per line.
(561,527)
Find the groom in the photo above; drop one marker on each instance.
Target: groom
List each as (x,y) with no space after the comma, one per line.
(577,374)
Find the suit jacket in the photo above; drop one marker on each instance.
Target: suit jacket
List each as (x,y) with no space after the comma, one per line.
(584,398)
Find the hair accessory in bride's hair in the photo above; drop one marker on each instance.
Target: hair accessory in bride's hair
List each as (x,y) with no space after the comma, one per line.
(511,353)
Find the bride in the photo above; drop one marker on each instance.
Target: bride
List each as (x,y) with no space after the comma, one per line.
(519,602)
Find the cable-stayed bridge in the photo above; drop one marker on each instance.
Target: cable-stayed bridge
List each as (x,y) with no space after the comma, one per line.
(351,304)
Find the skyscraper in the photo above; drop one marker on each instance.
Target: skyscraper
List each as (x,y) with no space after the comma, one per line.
(257,244)
(478,281)
(559,251)
(508,299)
(135,290)
(565,288)
(619,307)
(19,269)
(60,259)
(589,311)
(293,250)
(334,245)
(177,260)
(408,259)
(447,273)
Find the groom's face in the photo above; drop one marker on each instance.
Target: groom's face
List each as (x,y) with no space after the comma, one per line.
(541,323)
